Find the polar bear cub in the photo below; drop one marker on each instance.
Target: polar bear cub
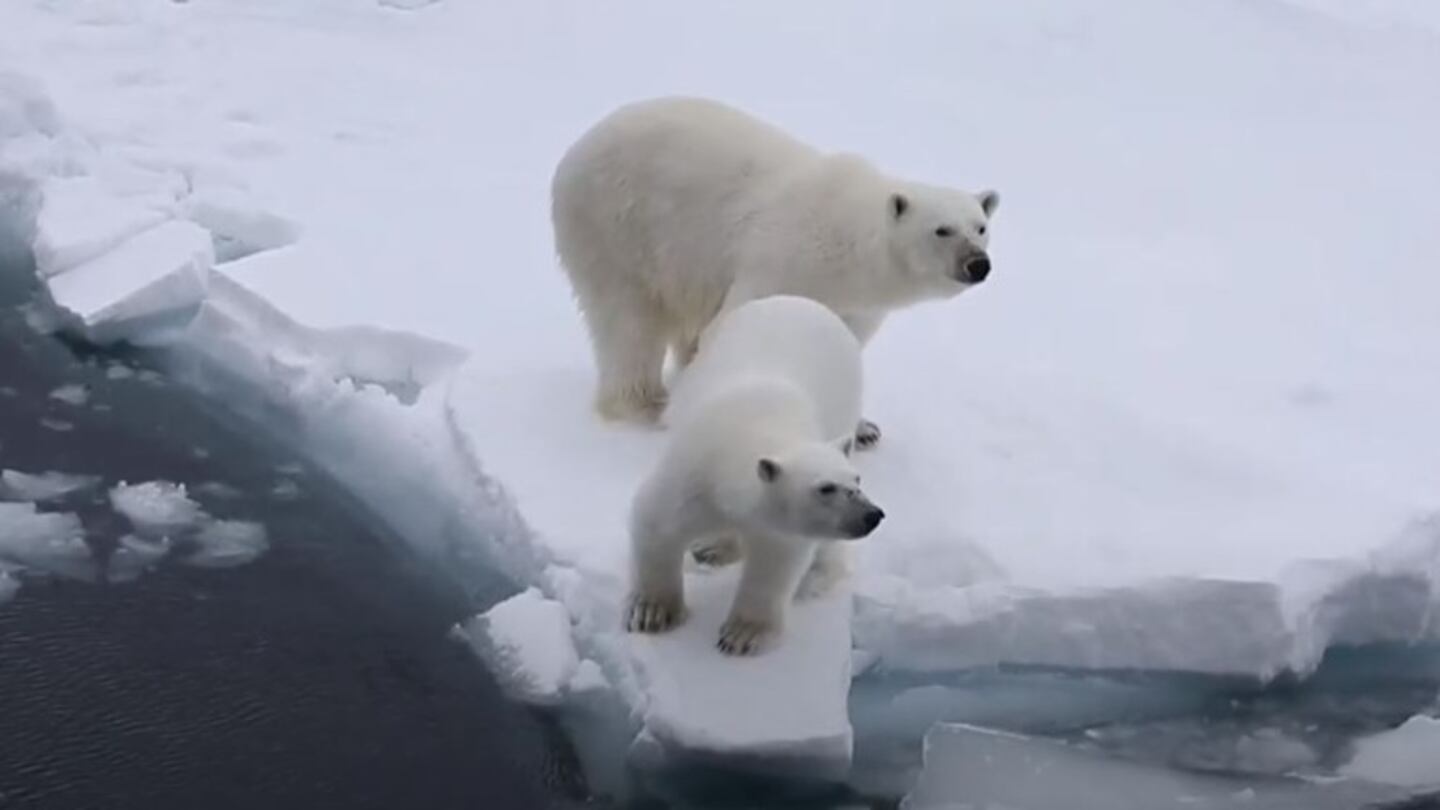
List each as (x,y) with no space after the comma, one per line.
(669,211)
(758,453)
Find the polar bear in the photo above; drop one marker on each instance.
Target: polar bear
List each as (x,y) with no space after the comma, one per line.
(758,455)
(671,210)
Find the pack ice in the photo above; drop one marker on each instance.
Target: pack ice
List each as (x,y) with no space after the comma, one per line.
(1187,425)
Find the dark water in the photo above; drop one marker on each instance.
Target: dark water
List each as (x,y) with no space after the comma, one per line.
(318,676)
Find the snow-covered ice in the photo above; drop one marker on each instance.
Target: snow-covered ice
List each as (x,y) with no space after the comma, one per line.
(526,642)
(135,555)
(72,394)
(228,543)
(156,508)
(152,282)
(1407,755)
(1186,425)
(969,766)
(49,542)
(46,486)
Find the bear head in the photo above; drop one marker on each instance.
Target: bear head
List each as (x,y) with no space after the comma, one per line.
(939,237)
(813,491)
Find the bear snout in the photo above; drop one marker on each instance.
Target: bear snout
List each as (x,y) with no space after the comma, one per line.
(866,521)
(975,269)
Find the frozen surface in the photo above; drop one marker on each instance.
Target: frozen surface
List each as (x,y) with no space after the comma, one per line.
(73,394)
(526,642)
(154,280)
(784,710)
(45,486)
(134,556)
(50,542)
(156,508)
(969,766)
(78,222)
(1187,424)
(228,543)
(1408,755)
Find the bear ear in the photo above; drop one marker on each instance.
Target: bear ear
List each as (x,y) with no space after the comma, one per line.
(768,469)
(846,445)
(989,201)
(899,204)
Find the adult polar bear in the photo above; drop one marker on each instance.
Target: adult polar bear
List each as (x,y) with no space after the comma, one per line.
(670,210)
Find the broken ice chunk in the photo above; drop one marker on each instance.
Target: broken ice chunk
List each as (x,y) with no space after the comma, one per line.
(969,766)
(156,508)
(79,219)
(153,282)
(46,486)
(526,642)
(53,542)
(73,394)
(1406,755)
(228,543)
(134,556)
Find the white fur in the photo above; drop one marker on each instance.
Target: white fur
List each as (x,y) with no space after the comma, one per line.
(778,382)
(668,211)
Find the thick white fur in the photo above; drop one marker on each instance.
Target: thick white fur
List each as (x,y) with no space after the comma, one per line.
(668,211)
(778,379)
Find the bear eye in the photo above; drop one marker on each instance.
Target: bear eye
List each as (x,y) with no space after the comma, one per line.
(826,490)
(980,230)
(944,231)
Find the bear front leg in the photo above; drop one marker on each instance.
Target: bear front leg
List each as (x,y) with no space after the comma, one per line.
(657,596)
(772,567)
(830,566)
(864,325)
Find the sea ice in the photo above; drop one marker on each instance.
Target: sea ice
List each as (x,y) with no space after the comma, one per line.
(51,542)
(46,486)
(1407,755)
(150,283)
(969,766)
(156,508)
(134,556)
(526,642)
(72,394)
(228,543)
(79,220)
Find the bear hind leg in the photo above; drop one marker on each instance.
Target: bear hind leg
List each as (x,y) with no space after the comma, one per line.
(630,352)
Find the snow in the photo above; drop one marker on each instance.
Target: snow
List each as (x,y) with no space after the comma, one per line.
(1407,755)
(45,486)
(526,642)
(152,281)
(969,766)
(79,222)
(1186,425)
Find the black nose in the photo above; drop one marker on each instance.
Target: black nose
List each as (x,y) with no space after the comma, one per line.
(873,517)
(978,269)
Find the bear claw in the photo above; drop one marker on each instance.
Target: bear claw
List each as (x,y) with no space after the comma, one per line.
(867,434)
(745,636)
(654,615)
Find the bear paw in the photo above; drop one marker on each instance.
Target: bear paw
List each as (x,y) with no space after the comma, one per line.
(651,614)
(644,408)
(740,636)
(717,553)
(867,434)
